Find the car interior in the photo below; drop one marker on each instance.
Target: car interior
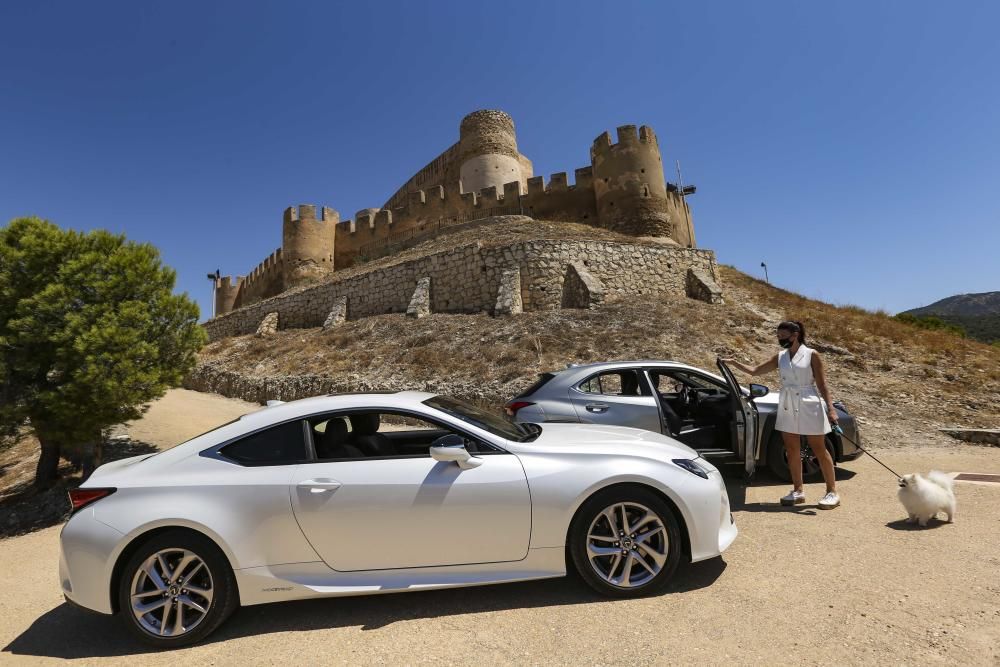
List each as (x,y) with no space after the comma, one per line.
(698,411)
(363,435)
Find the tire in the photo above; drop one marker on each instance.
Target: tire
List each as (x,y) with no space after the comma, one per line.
(204,591)
(656,544)
(777,460)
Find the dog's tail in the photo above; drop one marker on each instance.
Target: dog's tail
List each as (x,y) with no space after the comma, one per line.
(942,479)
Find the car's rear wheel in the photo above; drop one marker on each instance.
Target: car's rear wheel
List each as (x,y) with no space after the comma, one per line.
(176,589)
(625,542)
(777,460)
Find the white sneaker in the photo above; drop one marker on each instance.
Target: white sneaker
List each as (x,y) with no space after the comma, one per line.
(794,498)
(829,501)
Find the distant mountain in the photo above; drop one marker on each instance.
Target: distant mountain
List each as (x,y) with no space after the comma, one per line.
(984,303)
(978,314)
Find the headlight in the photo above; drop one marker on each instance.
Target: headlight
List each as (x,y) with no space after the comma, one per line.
(692,467)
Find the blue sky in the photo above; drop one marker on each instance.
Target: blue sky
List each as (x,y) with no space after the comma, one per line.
(854,147)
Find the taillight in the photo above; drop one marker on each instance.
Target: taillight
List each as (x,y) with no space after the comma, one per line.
(512,407)
(80,498)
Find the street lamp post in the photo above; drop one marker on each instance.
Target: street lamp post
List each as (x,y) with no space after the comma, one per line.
(766,279)
(214,277)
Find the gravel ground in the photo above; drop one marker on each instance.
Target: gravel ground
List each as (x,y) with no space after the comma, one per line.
(855,585)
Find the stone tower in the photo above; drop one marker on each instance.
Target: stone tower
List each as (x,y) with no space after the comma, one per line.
(307,243)
(630,189)
(488,153)
(225,293)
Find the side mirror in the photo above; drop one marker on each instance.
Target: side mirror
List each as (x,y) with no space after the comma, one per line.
(450,448)
(758,390)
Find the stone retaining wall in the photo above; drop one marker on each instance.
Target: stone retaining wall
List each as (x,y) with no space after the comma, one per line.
(467,279)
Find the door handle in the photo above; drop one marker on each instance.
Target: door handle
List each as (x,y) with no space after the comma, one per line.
(320,485)
(596,407)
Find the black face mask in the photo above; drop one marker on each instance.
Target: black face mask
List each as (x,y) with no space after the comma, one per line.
(786,343)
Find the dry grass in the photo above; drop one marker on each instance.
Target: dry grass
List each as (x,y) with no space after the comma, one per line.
(873,334)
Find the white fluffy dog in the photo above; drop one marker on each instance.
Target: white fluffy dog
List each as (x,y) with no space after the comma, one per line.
(923,497)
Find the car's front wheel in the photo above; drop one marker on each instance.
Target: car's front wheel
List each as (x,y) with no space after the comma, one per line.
(625,542)
(176,589)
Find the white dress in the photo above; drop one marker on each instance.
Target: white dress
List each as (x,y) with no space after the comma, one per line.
(800,407)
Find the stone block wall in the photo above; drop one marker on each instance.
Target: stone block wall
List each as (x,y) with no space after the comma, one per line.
(468,279)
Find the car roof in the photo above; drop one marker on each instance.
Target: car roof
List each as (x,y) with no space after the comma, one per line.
(600,365)
(306,406)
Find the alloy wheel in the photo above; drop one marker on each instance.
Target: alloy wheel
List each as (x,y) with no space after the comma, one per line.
(171,592)
(627,545)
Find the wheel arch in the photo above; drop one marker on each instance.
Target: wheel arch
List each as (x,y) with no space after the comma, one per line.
(678,514)
(144,535)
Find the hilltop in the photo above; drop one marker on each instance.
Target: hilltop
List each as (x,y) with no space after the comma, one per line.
(978,314)
(904,382)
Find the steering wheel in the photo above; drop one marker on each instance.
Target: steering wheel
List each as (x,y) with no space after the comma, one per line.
(695,397)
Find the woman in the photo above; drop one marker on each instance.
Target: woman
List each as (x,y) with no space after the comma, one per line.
(801,410)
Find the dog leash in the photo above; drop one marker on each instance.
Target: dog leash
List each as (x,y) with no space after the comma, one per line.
(839,431)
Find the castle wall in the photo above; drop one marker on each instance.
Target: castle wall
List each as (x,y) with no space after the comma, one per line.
(467,279)
(436,172)
(424,212)
(266,280)
(560,201)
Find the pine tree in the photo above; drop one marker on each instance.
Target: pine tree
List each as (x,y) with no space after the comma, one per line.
(90,333)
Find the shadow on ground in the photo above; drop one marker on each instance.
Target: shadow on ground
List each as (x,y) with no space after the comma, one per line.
(25,509)
(69,632)
(737,488)
(903,524)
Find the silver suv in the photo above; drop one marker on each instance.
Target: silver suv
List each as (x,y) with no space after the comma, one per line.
(705,411)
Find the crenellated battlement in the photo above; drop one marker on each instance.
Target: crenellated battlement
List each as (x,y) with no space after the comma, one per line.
(308,213)
(629,138)
(482,175)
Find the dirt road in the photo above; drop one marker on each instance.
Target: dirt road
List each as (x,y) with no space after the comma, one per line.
(852,586)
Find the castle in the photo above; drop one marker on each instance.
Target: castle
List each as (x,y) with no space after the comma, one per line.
(481,176)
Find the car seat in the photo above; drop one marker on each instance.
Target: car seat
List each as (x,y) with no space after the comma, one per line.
(365,436)
(332,443)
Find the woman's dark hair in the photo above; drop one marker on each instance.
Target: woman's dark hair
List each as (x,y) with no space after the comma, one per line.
(792,327)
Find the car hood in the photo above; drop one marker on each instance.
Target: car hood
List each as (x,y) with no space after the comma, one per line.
(599,439)
(770,398)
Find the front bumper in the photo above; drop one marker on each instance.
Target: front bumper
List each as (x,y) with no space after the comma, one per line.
(86,560)
(714,510)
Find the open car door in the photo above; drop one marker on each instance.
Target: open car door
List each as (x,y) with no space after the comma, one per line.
(746,432)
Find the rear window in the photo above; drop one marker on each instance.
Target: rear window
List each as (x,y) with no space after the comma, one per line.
(277,445)
(542,380)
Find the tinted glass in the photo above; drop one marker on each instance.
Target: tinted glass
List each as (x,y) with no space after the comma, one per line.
(543,379)
(614,383)
(273,446)
(488,421)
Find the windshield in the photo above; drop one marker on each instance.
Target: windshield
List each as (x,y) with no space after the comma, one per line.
(492,423)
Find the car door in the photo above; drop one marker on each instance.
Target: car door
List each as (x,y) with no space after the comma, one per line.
(746,421)
(618,397)
(412,511)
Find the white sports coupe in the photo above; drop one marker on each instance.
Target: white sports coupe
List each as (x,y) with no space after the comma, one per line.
(379,493)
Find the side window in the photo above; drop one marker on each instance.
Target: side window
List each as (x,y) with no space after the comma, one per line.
(614,383)
(700,382)
(278,445)
(374,435)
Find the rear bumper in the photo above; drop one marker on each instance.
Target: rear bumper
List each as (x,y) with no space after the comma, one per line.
(86,547)
(856,454)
